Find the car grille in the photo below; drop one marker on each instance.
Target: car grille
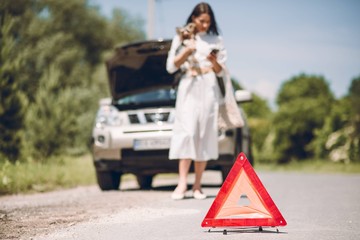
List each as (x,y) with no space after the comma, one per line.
(141,118)
(156,117)
(133,119)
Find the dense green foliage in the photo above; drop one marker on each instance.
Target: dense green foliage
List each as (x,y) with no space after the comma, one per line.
(259,117)
(52,73)
(304,102)
(339,138)
(12,101)
(309,123)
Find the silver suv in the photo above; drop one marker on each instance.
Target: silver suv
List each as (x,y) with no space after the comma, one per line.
(133,128)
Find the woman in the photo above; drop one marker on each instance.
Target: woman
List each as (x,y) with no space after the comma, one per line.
(195,130)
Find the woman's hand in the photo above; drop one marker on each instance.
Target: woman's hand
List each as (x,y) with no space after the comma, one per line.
(190,46)
(213,59)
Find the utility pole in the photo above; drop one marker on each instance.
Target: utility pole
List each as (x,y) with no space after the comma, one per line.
(150,20)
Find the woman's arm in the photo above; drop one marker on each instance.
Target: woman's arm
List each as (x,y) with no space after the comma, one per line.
(170,61)
(218,59)
(215,64)
(185,53)
(176,59)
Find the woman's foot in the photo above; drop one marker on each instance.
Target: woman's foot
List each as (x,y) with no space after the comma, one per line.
(198,194)
(179,193)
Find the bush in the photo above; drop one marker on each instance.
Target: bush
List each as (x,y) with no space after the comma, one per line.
(339,138)
(304,102)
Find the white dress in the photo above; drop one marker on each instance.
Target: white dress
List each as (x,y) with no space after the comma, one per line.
(195,132)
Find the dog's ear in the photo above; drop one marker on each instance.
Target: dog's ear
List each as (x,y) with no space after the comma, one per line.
(179,30)
(190,28)
(186,32)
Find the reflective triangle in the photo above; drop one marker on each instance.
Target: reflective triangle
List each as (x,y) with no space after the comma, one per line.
(243,201)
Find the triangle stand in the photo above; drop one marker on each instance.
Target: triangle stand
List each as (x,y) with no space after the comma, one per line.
(230,210)
(244,230)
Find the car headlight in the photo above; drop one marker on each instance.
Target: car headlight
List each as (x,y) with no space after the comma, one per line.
(107,115)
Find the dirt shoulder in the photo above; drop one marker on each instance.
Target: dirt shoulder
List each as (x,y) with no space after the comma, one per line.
(29,216)
(26,216)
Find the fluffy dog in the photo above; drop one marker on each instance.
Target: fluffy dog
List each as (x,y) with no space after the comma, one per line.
(187,32)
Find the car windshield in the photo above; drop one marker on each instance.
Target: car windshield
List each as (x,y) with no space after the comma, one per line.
(152,98)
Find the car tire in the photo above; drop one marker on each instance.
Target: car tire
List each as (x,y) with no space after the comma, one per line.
(250,154)
(144,181)
(224,172)
(108,180)
(238,143)
(239,149)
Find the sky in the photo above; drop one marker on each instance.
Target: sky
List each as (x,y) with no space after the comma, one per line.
(269,42)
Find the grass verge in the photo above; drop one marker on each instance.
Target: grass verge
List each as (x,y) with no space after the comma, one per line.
(67,172)
(59,172)
(311,166)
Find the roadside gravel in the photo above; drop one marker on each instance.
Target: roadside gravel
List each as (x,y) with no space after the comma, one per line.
(26,216)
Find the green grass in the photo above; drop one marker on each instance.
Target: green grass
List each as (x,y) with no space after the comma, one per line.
(67,172)
(60,172)
(311,166)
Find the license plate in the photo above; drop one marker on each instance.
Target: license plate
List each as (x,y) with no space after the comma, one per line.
(151,144)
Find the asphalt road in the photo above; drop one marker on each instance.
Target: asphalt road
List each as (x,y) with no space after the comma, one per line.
(315,206)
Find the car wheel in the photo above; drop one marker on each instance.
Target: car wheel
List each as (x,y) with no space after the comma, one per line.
(250,155)
(238,143)
(108,180)
(224,172)
(239,148)
(144,181)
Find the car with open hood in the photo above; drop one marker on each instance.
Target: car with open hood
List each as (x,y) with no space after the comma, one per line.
(133,127)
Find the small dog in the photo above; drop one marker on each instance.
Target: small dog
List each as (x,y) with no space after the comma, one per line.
(187,32)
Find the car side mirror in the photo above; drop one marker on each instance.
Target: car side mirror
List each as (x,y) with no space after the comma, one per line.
(242,96)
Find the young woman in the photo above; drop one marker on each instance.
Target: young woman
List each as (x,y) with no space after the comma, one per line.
(195,133)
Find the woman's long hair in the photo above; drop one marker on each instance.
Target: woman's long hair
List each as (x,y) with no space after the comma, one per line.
(204,8)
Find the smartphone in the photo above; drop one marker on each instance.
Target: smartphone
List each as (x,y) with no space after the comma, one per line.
(214,51)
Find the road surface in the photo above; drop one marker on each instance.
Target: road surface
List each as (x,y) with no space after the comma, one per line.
(315,206)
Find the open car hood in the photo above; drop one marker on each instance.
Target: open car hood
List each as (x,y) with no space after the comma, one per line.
(138,67)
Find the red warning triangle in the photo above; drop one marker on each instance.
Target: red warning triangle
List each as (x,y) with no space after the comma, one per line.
(228,209)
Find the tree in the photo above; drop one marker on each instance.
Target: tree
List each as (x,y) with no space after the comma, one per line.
(123,28)
(354,95)
(304,101)
(12,102)
(259,117)
(339,139)
(59,48)
(66,94)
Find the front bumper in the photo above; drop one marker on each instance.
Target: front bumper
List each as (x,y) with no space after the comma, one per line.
(154,162)
(116,143)
(109,142)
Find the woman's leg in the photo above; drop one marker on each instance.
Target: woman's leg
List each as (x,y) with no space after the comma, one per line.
(184,166)
(199,168)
